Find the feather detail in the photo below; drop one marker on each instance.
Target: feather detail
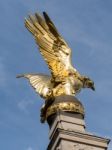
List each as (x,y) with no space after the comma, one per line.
(52,46)
(40,82)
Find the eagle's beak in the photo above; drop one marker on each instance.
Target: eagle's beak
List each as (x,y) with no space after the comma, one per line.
(93,88)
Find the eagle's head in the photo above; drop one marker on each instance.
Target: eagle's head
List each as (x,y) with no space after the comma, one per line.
(88,83)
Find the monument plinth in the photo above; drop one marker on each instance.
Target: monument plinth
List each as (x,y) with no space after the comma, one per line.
(68,132)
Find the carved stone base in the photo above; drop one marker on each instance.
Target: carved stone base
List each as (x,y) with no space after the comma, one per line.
(67,132)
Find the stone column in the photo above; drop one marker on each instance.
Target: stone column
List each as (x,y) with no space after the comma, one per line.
(67,132)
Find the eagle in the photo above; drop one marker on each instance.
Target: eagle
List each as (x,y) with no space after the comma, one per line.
(64,79)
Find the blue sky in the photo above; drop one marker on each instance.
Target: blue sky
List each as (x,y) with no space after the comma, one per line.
(87,27)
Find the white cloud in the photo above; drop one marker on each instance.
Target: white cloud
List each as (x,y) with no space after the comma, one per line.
(24,104)
(29,148)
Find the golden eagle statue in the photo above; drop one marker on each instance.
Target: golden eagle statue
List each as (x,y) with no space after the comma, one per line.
(64,79)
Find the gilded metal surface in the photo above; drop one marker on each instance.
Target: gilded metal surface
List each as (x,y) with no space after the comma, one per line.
(64,79)
(65,106)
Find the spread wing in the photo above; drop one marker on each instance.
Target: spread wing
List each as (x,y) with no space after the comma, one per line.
(52,46)
(41,83)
